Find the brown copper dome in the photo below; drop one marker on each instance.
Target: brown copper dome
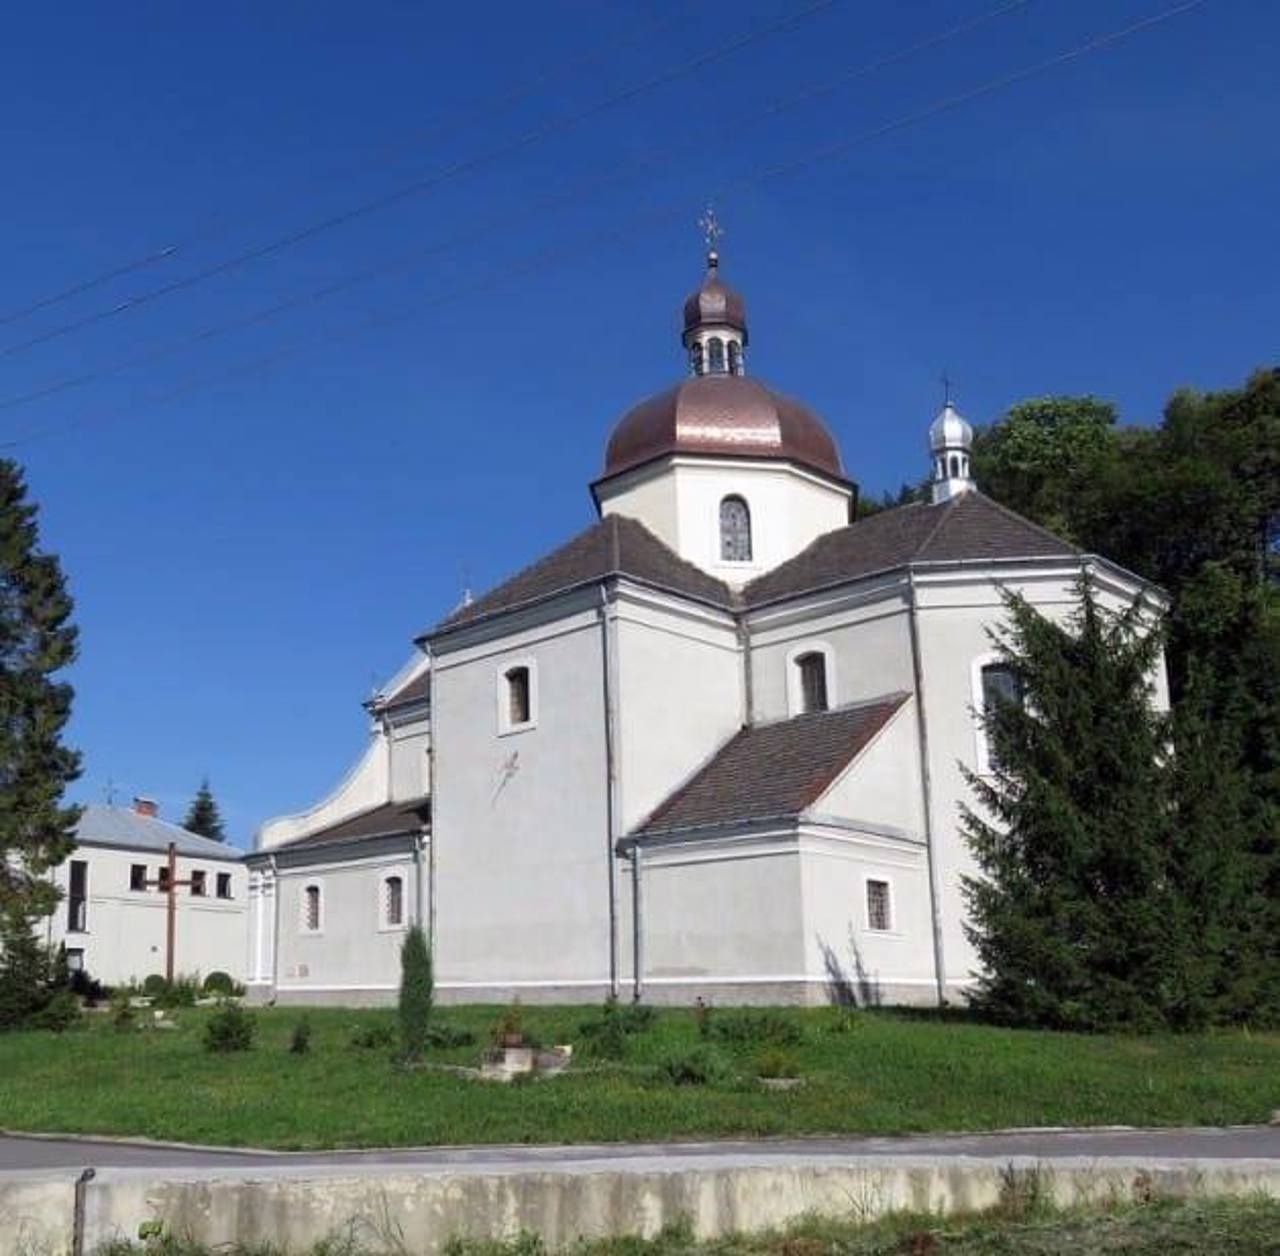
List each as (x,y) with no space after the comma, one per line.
(733,415)
(715,304)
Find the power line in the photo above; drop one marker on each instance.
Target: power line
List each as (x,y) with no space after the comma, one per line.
(419,186)
(417,257)
(389,152)
(642,222)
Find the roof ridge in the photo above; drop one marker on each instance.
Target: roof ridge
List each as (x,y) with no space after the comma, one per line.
(1010,513)
(890,704)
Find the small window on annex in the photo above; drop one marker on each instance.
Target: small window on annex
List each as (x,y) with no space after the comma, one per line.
(519,705)
(735,531)
(138,876)
(198,882)
(878,914)
(311,909)
(224,885)
(813,681)
(393,902)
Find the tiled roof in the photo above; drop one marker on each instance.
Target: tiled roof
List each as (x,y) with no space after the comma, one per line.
(389,820)
(770,771)
(969,527)
(100,825)
(417,690)
(617,545)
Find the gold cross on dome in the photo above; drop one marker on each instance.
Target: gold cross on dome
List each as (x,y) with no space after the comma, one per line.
(711,228)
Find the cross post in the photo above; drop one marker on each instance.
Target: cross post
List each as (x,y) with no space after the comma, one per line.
(170,883)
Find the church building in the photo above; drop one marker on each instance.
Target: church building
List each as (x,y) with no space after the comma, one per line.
(709,747)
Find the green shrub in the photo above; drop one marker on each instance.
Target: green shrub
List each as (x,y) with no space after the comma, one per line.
(439,1035)
(218,982)
(180,992)
(373,1036)
(300,1041)
(60,1013)
(230,1028)
(508,1029)
(702,1066)
(777,1063)
(703,1017)
(606,1035)
(26,972)
(154,984)
(417,994)
(756,1028)
(124,1016)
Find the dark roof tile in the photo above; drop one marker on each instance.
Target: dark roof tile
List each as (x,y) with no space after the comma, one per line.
(769,771)
(388,820)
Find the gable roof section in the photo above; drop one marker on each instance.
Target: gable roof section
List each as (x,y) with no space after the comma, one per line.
(971,527)
(122,827)
(616,546)
(417,690)
(772,771)
(388,820)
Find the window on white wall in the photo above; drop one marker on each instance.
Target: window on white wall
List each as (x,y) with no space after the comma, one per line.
(735,530)
(998,684)
(715,355)
(519,706)
(813,681)
(879,908)
(311,909)
(393,902)
(517,695)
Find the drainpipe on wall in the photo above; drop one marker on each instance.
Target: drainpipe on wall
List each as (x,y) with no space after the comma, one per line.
(748,684)
(432,800)
(637,930)
(275,928)
(926,789)
(611,784)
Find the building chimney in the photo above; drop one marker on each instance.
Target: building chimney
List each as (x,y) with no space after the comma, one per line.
(146,807)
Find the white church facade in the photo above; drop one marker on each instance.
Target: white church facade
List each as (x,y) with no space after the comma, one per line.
(709,747)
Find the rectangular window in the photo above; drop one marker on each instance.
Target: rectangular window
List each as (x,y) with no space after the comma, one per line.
(162,878)
(311,909)
(138,876)
(813,681)
(224,885)
(518,695)
(77,897)
(197,883)
(394,890)
(878,906)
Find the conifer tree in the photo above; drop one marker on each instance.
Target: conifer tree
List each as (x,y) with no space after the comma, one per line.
(1073,915)
(203,816)
(417,994)
(37,640)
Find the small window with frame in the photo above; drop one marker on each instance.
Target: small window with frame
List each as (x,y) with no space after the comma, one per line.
(224,885)
(879,906)
(312,905)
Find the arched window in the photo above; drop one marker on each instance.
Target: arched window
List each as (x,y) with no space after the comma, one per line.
(695,358)
(311,909)
(955,466)
(393,901)
(735,531)
(813,681)
(518,705)
(715,355)
(735,358)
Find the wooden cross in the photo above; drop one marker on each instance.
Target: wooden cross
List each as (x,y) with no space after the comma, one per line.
(170,884)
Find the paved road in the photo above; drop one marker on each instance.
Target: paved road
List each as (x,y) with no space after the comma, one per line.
(1243,1142)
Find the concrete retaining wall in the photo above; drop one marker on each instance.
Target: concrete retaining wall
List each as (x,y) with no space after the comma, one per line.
(391,1208)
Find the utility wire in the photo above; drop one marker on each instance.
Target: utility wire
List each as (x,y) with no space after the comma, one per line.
(636,166)
(643,222)
(476,111)
(419,186)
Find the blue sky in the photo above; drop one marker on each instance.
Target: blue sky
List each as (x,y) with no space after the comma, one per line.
(255,524)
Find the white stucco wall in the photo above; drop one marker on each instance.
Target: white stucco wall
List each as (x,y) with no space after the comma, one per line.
(523,856)
(124,937)
(409,743)
(790,508)
(882,785)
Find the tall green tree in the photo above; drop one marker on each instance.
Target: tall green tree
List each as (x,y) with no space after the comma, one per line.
(37,640)
(1071,915)
(203,816)
(417,994)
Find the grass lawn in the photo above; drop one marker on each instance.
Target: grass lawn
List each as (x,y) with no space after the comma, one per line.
(1198,1228)
(878,1072)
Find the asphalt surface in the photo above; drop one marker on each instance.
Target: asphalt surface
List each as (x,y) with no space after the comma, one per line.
(25,1153)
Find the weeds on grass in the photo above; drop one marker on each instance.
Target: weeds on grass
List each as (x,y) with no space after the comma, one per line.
(755,1028)
(230,1028)
(701,1066)
(300,1040)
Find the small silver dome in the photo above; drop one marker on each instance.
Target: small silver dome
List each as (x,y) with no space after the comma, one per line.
(950,430)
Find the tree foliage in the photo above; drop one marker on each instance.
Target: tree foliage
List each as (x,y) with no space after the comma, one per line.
(203,816)
(417,994)
(1194,506)
(37,640)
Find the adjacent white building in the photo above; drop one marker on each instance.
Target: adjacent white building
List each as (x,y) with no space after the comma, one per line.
(112,917)
(711,746)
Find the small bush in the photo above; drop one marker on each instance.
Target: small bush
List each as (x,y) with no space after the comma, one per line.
(449,1036)
(756,1028)
(508,1029)
(218,982)
(702,1016)
(60,1013)
(775,1063)
(372,1037)
(300,1041)
(417,994)
(180,992)
(230,1028)
(700,1067)
(154,984)
(92,992)
(124,1016)
(606,1035)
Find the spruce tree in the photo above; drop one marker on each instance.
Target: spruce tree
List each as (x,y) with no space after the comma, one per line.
(1073,916)
(37,640)
(417,994)
(203,816)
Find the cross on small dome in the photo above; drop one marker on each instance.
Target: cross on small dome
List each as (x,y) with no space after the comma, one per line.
(950,442)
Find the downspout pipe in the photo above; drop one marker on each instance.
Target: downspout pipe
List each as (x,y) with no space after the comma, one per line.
(275,928)
(611,782)
(926,789)
(637,925)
